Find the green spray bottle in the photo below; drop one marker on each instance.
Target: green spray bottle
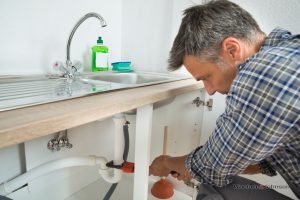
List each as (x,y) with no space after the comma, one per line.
(99,56)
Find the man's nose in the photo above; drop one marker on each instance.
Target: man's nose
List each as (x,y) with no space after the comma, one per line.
(209,88)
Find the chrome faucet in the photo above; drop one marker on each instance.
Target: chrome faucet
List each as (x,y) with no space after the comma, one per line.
(70,70)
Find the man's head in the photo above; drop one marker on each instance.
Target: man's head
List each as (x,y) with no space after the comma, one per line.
(212,40)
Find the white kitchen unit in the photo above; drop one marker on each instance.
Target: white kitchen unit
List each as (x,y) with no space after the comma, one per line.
(89,124)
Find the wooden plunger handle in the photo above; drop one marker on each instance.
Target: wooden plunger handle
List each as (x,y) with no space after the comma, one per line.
(165,141)
(165,144)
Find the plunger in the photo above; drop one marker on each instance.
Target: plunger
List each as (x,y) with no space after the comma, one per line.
(163,189)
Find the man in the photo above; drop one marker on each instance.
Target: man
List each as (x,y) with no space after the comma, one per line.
(221,44)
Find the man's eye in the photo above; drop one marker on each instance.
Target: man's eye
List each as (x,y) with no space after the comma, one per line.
(205,78)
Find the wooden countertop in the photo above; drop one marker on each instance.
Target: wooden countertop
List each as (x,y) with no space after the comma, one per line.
(23,124)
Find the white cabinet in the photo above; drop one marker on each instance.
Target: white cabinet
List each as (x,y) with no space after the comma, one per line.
(185,123)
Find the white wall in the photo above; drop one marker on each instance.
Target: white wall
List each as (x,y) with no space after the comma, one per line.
(272,13)
(34,33)
(146,33)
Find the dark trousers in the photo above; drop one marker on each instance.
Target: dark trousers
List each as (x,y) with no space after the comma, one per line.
(4,198)
(240,189)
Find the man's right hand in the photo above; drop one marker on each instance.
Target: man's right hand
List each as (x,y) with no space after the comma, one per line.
(164,165)
(252,169)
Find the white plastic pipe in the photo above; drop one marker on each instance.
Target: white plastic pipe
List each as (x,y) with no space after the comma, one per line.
(104,171)
(119,143)
(8,187)
(119,121)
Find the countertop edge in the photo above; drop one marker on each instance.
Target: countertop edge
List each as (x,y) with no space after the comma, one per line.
(24,124)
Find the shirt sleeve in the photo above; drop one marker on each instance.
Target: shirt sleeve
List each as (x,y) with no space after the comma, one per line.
(262,111)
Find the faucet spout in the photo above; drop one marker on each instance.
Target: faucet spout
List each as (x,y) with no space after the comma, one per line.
(81,20)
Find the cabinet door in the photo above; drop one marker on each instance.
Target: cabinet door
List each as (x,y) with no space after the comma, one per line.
(183,119)
(210,115)
(189,125)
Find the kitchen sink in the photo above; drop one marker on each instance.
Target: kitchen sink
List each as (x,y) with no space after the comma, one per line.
(22,91)
(132,79)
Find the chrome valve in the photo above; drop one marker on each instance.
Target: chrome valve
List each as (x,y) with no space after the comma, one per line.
(59,141)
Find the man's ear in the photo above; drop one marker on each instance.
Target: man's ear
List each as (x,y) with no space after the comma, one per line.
(232,48)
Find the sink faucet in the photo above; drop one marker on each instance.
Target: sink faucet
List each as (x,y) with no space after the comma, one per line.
(71,69)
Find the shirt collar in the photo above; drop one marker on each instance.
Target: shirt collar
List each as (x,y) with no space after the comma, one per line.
(276,36)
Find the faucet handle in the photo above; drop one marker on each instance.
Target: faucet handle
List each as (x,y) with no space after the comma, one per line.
(77,66)
(69,69)
(58,66)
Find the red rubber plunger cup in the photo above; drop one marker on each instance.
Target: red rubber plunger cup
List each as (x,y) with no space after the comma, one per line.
(162,189)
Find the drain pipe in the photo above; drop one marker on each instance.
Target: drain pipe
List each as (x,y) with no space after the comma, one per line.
(119,121)
(121,128)
(10,186)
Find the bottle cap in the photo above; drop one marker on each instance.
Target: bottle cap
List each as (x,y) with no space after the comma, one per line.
(99,41)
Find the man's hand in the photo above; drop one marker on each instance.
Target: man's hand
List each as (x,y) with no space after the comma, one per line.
(164,165)
(252,169)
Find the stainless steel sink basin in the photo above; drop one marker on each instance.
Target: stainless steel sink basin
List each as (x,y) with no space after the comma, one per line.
(132,79)
(22,91)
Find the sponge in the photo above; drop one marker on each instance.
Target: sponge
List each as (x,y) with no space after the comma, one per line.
(122,66)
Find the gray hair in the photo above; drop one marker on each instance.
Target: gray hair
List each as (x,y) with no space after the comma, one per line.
(204,27)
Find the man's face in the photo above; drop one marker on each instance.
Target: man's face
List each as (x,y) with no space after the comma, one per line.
(216,77)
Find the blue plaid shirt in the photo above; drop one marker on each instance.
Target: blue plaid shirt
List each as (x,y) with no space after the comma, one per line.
(261,120)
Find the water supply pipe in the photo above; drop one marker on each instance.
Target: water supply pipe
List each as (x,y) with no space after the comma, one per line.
(10,186)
